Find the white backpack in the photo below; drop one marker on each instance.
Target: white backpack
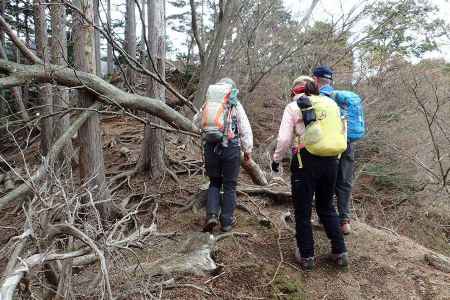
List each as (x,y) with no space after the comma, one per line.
(216,113)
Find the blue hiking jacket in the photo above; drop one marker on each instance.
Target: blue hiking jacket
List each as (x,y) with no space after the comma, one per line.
(326,90)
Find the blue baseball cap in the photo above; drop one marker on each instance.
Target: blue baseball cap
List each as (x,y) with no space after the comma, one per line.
(324,72)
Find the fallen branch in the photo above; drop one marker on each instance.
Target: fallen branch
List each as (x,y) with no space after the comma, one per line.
(13,278)
(278,195)
(67,229)
(255,172)
(25,187)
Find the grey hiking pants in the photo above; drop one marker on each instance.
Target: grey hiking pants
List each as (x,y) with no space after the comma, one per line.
(222,167)
(344,182)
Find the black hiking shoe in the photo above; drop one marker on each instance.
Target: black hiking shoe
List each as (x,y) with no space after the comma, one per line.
(306,263)
(211,222)
(229,227)
(341,260)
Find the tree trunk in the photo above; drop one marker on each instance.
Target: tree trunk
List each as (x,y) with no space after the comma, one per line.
(151,159)
(16,91)
(130,36)
(92,167)
(45,95)
(2,11)
(207,69)
(60,94)
(109,57)
(3,105)
(98,58)
(144,11)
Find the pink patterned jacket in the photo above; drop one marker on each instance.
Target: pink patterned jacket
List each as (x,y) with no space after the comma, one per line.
(291,126)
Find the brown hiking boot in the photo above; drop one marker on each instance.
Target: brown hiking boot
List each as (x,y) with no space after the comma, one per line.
(211,222)
(341,260)
(306,263)
(345,227)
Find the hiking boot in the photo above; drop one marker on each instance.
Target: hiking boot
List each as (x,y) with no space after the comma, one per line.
(306,263)
(345,227)
(229,227)
(211,222)
(341,260)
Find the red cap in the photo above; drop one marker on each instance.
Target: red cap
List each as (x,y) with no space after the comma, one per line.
(298,89)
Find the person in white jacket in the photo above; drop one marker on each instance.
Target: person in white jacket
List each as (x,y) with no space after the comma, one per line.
(222,162)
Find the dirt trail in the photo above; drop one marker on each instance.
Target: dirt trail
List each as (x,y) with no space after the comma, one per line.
(384,265)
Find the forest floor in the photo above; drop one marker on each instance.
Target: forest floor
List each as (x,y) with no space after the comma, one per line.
(259,263)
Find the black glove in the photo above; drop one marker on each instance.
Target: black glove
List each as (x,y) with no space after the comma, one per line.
(275,166)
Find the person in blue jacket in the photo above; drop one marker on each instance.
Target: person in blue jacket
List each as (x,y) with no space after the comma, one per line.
(323,75)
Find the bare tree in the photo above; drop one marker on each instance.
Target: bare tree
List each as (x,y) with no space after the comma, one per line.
(152,154)
(209,54)
(41,39)
(92,168)
(130,35)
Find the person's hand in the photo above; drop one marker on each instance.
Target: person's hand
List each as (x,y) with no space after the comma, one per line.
(247,157)
(275,166)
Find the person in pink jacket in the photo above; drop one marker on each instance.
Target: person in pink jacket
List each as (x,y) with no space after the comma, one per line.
(311,176)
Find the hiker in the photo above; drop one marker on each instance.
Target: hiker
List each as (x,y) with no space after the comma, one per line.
(225,132)
(351,109)
(311,174)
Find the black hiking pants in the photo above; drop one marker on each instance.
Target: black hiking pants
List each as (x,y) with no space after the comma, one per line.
(317,176)
(222,167)
(344,182)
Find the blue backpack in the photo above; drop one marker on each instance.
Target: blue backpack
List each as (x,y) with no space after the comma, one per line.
(352,109)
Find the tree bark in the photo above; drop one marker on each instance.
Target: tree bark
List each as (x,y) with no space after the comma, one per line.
(98,58)
(130,36)
(2,12)
(109,58)
(16,91)
(45,95)
(91,164)
(151,160)
(60,94)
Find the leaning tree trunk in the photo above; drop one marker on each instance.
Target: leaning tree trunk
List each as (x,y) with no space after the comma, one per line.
(60,94)
(92,167)
(45,95)
(130,36)
(151,160)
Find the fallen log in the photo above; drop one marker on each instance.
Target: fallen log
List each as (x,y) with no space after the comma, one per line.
(255,172)
(20,74)
(280,195)
(438,261)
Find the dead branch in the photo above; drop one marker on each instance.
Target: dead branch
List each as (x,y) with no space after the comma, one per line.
(43,169)
(13,278)
(255,172)
(27,52)
(278,195)
(67,229)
